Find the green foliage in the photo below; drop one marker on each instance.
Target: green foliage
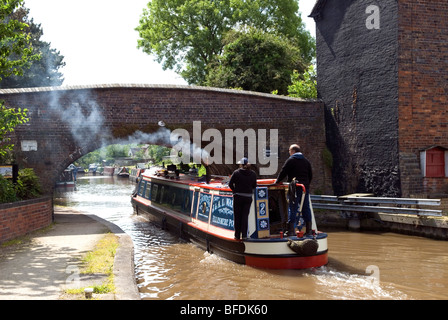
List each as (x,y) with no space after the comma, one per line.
(156,154)
(91,157)
(16,53)
(304,86)
(42,71)
(7,191)
(15,45)
(113,151)
(27,187)
(107,154)
(9,119)
(257,61)
(186,35)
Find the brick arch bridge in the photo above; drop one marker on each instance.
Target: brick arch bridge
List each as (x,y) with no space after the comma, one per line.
(69,122)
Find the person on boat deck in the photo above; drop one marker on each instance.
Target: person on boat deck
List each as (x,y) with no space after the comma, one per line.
(297,166)
(242,182)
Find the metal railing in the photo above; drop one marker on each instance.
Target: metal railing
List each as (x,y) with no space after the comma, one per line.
(366,203)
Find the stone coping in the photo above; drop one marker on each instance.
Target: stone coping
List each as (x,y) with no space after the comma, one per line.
(149,86)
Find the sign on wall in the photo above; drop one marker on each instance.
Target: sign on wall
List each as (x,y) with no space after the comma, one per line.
(6,171)
(29,145)
(10,171)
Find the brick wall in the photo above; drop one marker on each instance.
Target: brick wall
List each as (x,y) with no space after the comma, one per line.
(357,80)
(423,88)
(20,218)
(70,122)
(385,91)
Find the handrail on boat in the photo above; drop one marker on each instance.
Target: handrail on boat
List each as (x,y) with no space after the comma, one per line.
(269,182)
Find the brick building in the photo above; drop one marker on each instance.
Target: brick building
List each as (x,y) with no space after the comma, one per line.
(383,76)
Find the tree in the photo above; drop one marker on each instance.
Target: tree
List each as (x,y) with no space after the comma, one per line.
(157,153)
(15,52)
(9,119)
(256,61)
(186,35)
(41,72)
(304,86)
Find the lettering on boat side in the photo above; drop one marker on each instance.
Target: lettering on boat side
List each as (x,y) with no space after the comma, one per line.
(222,212)
(259,151)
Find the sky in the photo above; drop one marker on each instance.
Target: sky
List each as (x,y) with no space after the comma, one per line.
(99,43)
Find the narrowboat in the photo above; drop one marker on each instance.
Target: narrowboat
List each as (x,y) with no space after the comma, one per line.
(202,212)
(123,173)
(108,171)
(135,173)
(66,180)
(93,167)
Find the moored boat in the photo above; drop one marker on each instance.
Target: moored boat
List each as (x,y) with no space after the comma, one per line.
(123,173)
(66,180)
(135,173)
(108,171)
(202,213)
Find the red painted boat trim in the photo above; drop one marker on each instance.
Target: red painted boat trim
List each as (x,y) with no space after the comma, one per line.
(287,262)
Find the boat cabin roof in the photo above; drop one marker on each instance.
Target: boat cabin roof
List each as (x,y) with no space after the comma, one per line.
(216,182)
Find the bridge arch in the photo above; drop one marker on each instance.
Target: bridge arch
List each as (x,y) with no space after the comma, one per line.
(69,122)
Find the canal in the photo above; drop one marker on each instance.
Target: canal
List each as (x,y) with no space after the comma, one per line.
(361,265)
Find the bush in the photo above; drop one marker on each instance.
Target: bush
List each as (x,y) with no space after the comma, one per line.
(304,86)
(7,191)
(27,187)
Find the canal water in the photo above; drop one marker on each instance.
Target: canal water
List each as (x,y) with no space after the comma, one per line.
(362,266)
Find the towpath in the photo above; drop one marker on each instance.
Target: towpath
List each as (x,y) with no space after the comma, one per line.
(40,269)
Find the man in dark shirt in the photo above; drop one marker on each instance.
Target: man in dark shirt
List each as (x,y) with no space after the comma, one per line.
(297,166)
(243,182)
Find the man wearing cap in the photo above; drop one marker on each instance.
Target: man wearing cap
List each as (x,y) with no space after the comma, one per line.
(297,166)
(243,182)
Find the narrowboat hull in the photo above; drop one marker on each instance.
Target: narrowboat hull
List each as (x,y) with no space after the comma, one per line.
(66,181)
(261,249)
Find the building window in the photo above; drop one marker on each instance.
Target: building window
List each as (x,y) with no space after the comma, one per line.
(433,162)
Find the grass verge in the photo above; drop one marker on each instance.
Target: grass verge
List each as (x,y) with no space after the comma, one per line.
(99,261)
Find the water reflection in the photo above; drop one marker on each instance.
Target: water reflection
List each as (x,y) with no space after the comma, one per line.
(168,268)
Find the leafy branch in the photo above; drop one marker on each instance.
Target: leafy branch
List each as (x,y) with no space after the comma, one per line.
(9,119)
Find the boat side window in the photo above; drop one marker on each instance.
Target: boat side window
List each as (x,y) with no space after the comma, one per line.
(186,203)
(159,193)
(176,199)
(161,196)
(170,196)
(141,188)
(148,191)
(155,192)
